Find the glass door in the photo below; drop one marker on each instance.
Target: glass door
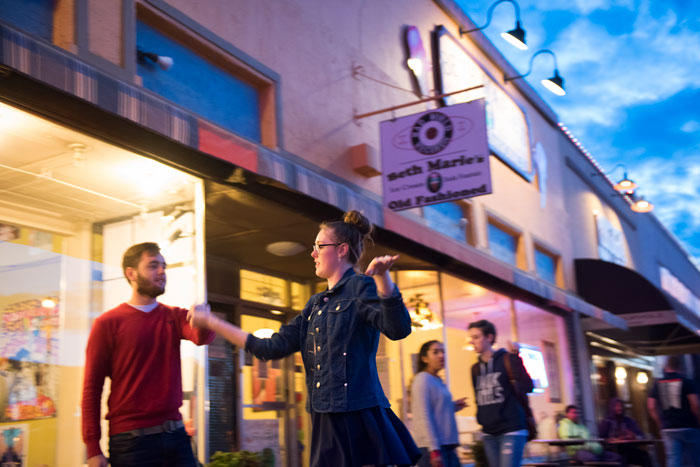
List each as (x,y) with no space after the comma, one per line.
(271,398)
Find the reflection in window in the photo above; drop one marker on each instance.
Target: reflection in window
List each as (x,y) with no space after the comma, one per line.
(66,218)
(545,265)
(446,218)
(502,244)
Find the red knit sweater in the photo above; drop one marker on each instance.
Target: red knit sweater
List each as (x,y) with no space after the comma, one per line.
(140,353)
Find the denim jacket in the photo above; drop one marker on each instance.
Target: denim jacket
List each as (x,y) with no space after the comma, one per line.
(338,334)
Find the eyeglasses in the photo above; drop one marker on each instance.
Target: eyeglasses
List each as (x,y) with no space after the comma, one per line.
(319,246)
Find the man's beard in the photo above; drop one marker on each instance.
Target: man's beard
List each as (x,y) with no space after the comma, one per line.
(148,288)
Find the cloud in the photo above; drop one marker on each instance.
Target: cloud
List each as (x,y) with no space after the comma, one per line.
(691,126)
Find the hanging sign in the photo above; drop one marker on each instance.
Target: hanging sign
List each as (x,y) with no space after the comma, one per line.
(435,156)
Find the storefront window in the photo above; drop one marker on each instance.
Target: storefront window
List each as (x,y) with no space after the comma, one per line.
(70,207)
(455,303)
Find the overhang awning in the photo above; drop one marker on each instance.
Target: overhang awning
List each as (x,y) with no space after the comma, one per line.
(658,323)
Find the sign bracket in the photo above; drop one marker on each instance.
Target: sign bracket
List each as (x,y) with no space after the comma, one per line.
(427,99)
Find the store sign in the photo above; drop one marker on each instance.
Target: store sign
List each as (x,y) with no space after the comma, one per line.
(507,129)
(435,156)
(671,284)
(611,242)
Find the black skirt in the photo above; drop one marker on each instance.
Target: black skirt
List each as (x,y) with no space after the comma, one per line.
(373,436)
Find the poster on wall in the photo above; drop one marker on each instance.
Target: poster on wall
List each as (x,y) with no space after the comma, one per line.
(551,360)
(28,353)
(435,156)
(14,441)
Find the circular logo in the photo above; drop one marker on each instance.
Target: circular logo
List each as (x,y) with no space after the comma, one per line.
(431,133)
(434,182)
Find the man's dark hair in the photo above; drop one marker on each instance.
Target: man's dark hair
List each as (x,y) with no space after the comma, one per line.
(487,328)
(569,407)
(133,255)
(674,363)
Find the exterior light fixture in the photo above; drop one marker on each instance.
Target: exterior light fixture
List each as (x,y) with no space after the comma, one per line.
(642,377)
(48,303)
(515,37)
(165,63)
(555,84)
(641,205)
(625,185)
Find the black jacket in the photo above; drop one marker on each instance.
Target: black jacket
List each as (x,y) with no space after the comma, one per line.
(498,409)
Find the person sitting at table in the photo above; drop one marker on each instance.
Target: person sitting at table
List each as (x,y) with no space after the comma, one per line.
(618,427)
(570,428)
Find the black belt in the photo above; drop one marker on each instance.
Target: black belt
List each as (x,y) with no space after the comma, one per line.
(166,427)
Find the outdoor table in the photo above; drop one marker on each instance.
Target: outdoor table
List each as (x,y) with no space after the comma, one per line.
(627,442)
(563,443)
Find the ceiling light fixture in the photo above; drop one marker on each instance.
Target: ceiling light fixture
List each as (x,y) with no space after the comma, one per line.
(515,37)
(555,84)
(78,154)
(285,248)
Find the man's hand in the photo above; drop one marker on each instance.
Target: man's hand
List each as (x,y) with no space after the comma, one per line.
(513,347)
(97,461)
(460,404)
(199,316)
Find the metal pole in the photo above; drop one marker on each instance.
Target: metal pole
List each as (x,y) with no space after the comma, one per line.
(427,99)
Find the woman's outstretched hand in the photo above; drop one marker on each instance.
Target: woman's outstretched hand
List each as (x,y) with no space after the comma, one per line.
(380,265)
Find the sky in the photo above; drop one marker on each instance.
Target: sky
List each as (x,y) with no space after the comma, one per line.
(632,77)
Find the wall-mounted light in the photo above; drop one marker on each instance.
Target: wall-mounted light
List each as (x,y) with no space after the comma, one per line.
(143,57)
(620,374)
(48,303)
(555,84)
(515,37)
(625,184)
(642,377)
(639,204)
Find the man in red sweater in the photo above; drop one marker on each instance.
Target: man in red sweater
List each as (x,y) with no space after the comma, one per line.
(137,346)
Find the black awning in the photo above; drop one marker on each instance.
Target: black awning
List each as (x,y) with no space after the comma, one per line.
(658,324)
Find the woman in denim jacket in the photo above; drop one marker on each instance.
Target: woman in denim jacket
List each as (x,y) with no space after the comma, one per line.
(338,334)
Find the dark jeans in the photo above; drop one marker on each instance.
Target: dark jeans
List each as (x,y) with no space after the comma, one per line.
(159,450)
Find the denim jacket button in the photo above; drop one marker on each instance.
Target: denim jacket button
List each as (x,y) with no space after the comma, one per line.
(337,308)
(325,299)
(346,384)
(309,318)
(320,311)
(316,329)
(344,354)
(318,367)
(318,385)
(318,348)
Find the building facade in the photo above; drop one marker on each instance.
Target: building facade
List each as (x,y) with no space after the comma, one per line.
(230,155)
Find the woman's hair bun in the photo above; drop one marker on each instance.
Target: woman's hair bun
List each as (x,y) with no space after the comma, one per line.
(360,222)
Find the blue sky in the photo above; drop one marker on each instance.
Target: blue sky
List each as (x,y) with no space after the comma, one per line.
(632,76)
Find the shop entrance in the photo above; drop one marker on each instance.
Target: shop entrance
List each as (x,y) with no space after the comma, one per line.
(272,395)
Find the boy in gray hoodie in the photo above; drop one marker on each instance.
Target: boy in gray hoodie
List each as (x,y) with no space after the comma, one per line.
(499,411)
